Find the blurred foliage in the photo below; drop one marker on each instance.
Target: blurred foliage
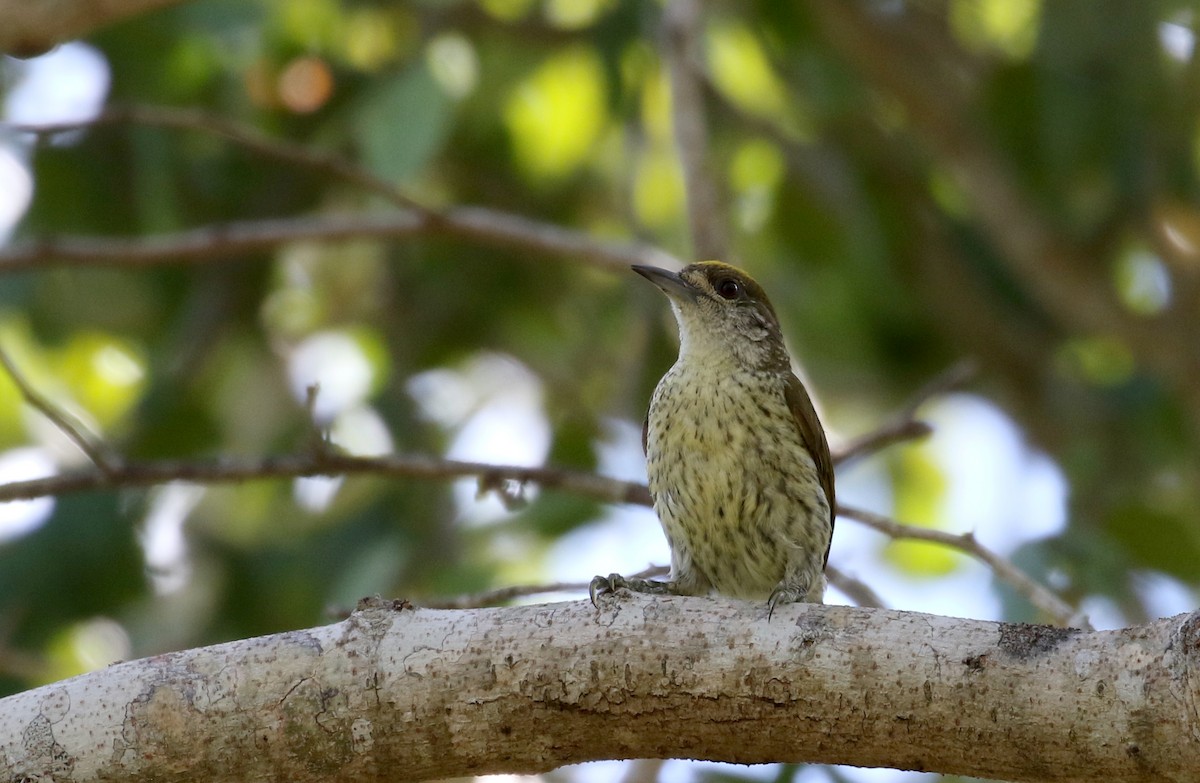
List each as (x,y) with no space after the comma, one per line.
(886,168)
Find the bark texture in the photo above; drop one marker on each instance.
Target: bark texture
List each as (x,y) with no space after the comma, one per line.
(395,693)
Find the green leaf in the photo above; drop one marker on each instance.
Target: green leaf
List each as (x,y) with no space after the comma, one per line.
(402,124)
(82,562)
(1156,539)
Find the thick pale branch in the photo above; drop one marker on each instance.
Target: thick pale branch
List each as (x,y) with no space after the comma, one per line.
(395,693)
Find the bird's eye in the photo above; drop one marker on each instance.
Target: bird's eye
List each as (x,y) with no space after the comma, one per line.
(729,288)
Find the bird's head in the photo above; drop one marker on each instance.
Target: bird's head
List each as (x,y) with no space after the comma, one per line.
(723,314)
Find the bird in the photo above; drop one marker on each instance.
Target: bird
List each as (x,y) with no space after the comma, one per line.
(739,465)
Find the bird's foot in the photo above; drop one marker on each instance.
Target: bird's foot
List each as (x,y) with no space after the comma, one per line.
(790,593)
(604,585)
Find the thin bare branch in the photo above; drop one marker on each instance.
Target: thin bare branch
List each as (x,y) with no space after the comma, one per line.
(241,134)
(904,425)
(683,30)
(951,379)
(69,425)
(588,485)
(1036,594)
(246,238)
(896,431)
(476,224)
(233,471)
(500,478)
(855,589)
(924,76)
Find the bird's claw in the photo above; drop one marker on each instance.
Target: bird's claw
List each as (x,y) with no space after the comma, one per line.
(793,593)
(604,585)
(779,596)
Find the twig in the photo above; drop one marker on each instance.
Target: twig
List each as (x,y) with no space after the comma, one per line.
(683,30)
(501,595)
(112,472)
(953,377)
(243,135)
(896,431)
(244,238)
(904,425)
(472,223)
(227,471)
(682,22)
(1054,269)
(1033,592)
(69,425)
(855,589)
(588,485)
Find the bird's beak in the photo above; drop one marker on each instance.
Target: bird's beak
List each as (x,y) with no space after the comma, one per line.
(670,283)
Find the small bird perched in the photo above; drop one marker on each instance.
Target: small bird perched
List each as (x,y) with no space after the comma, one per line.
(739,466)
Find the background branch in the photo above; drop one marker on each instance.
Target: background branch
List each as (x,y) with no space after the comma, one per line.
(242,238)
(683,32)
(904,425)
(69,425)
(112,472)
(245,136)
(926,79)
(917,183)
(232,470)
(588,485)
(475,224)
(323,460)
(501,595)
(854,588)
(1039,596)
